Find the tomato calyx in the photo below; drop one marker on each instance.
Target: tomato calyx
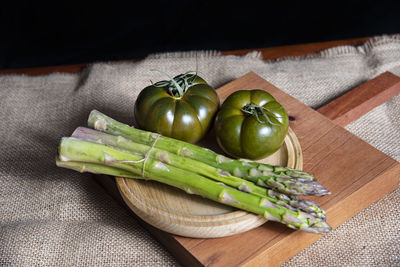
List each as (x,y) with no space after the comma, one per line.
(261,112)
(178,85)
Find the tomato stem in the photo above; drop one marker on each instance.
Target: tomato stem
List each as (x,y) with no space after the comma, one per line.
(257,111)
(178,85)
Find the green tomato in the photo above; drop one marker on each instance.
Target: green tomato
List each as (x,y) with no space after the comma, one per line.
(251,124)
(182,108)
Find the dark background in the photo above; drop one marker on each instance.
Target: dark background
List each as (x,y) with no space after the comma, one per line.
(38,34)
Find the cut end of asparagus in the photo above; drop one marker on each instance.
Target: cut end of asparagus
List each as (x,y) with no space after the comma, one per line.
(94,116)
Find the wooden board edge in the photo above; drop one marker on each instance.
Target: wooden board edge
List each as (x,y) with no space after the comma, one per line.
(362,99)
(387,181)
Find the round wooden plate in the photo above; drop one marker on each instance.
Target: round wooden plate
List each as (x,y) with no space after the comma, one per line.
(177,212)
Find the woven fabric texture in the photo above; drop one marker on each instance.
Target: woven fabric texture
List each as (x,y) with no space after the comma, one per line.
(52,216)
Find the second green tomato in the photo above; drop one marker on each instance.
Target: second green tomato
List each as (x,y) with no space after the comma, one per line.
(251,124)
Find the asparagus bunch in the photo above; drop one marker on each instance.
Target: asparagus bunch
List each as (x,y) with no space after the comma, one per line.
(282,179)
(188,164)
(121,153)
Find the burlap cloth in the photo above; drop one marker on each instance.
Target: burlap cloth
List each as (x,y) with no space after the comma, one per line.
(58,217)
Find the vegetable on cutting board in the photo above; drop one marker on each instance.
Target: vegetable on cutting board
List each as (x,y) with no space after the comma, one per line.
(183,107)
(251,124)
(117,149)
(279,178)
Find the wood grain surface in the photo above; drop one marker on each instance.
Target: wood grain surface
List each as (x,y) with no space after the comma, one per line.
(356,173)
(174,211)
(362,99)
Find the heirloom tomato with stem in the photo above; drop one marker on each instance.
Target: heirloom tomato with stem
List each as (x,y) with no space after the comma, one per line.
(182,107)
(251,124)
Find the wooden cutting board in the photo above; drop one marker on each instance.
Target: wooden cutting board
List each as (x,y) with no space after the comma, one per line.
(356,173)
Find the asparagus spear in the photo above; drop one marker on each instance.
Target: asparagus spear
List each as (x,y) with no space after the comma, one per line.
(76,150)
(172,159)
(200,168)
(305,205)
(283,179)
(288,185)
(95,168)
